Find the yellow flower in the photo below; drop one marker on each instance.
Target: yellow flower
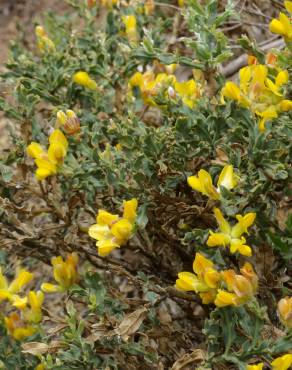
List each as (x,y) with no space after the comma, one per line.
(58,147)
(118,147)
(47,162)
(40,367)
(19,302)
(170,68)
(65,274)
(149,7)
(288,6)
(106,218)
(181,3)
(150,85)
(232,236)
(240,288)
(9,291)
(231,91)
(282,26)
(188,281)
(203,182)
(248,272)
(188,91)
(112,231)
(122,231)
(286,105)
(285,311)
(130,23)
(136,80)
(130,209)
(16,327)
(224,298)
(259,93)
(33,314)
(69,121)
(282,363)
(109,3)
(22,278)
(255,367)
(205,280)
(82,78)
(35,150)
(45,44)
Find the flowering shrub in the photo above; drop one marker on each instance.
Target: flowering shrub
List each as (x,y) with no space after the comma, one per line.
(131,102)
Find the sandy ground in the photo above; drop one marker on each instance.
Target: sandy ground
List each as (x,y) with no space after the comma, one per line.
(18,17)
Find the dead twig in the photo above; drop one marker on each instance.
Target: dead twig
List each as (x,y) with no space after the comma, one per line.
(234,65)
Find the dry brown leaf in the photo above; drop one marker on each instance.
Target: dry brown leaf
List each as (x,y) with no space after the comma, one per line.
(131,323)
(38,348)
(98,331)
(188,358)
(35,348)
(52,331)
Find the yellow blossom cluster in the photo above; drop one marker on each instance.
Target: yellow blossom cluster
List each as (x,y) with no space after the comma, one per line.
(261,91)
(48,162)
(225,288)
(228,235)
(45,44)
(240,288)
(232,236)
(283,25)
(112,231)
(205,281)
(26,322)
(151,84)
(280,363)
(203,182)
(65,274)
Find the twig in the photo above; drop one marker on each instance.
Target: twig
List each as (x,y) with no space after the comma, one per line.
(167,6)
(234,65)
(257,13)
(168,292)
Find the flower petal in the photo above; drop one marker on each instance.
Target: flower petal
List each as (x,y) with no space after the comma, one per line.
(130,210)
(105,247)
(106,218)
(227,178)
(99,232)
(122,229)
(222,223)
(224,299)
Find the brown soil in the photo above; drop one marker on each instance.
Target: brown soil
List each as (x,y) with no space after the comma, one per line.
(18,19)
(16,15)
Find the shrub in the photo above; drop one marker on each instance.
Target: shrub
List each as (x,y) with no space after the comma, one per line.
(175,171)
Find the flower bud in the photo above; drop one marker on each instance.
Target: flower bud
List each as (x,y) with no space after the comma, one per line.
(69,121)
(285,311)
